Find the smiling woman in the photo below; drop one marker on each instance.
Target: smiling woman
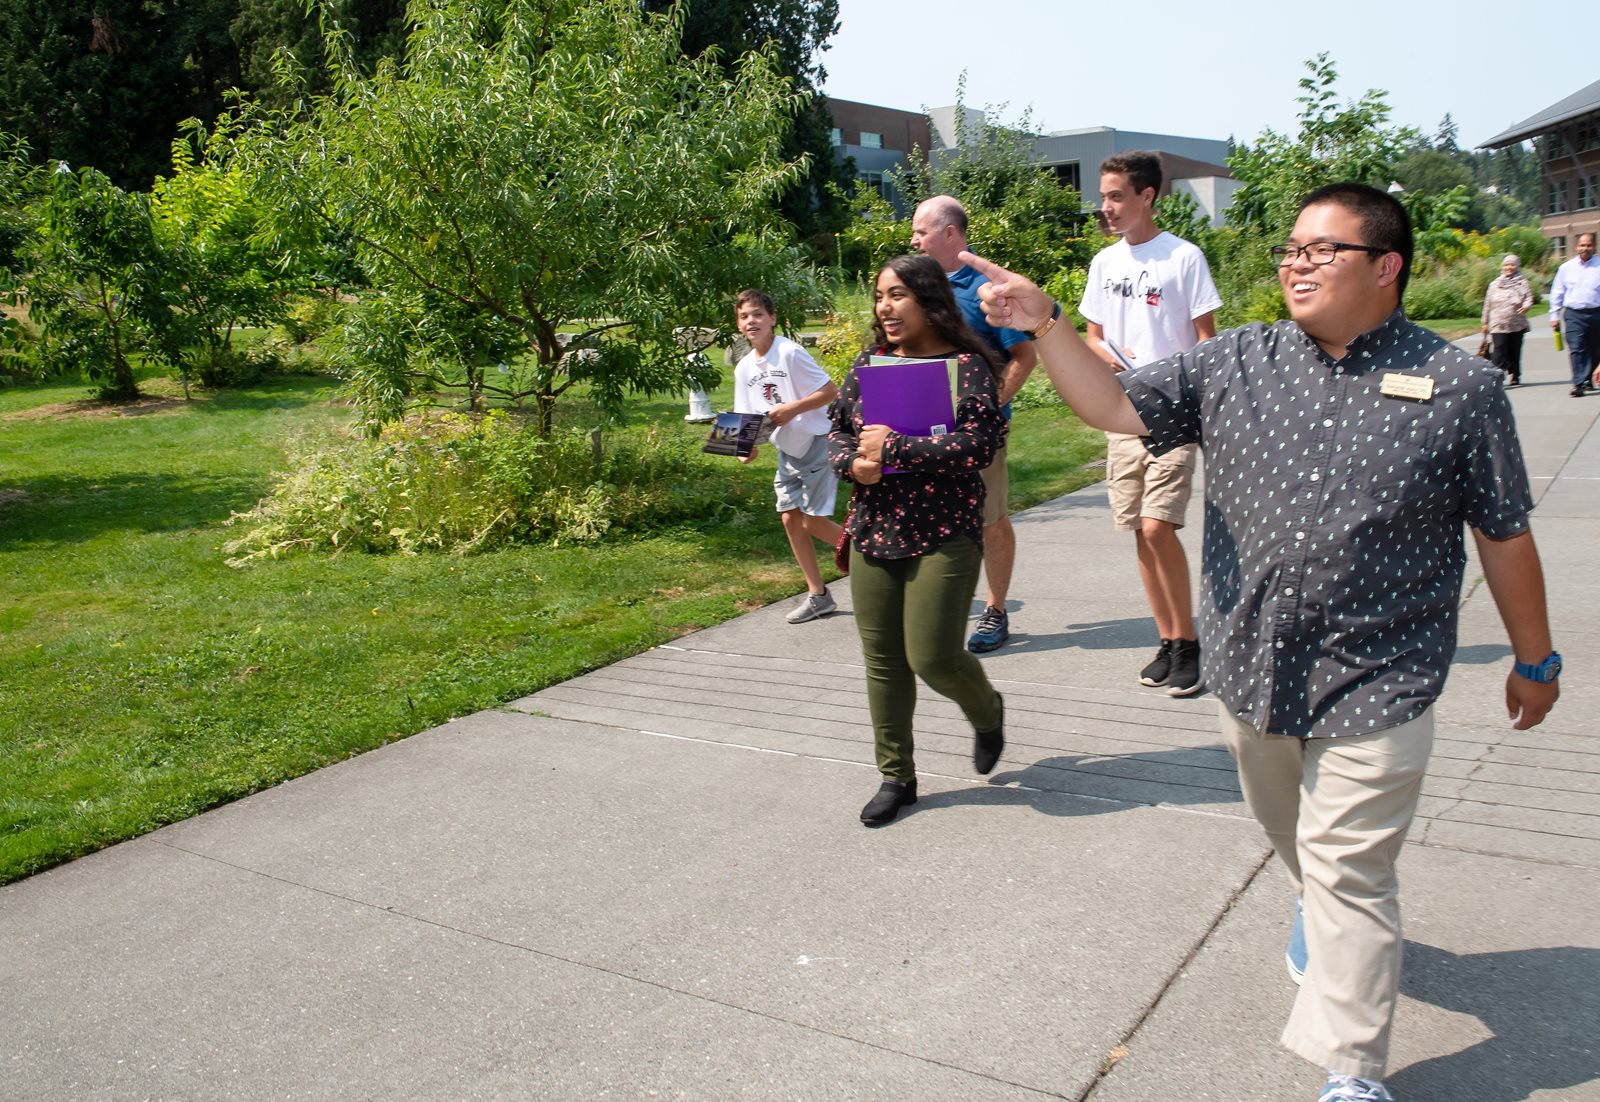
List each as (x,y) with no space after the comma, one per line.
(918,532)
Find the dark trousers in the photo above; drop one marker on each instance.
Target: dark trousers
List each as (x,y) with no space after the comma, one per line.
(912,617)
(1582,330)
(1507,354)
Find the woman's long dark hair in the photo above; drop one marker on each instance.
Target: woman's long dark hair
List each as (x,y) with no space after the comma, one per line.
(931,288)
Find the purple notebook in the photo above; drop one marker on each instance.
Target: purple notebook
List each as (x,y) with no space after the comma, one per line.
(912,397)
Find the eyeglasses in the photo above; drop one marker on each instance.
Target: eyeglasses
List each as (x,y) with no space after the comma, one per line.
(1319,252)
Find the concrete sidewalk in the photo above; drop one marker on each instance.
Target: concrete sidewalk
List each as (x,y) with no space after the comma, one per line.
(649,882)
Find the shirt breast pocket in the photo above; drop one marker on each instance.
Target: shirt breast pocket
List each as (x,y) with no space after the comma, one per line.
(1397,467)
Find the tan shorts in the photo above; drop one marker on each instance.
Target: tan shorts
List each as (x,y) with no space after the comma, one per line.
(1145,485)
(996,488)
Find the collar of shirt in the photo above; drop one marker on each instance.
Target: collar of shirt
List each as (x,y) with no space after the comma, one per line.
(1362,352)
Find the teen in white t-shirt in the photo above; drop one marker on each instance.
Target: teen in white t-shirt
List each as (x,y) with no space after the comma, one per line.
(1151,296)
(780,379)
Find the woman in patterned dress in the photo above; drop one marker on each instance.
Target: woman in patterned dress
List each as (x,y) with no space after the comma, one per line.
(918,534)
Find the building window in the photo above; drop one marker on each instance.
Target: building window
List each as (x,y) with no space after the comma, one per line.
(874,180)
(1584,202)
(1069,175)
(836,137)
(869,140)
(1561,246)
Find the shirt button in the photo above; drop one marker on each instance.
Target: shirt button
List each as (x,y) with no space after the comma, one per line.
(1279,644)
(1315,477)
(1299,535)
(1288,591)
(1328,424)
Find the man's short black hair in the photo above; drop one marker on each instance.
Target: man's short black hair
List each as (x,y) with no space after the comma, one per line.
(1142,168)
(1384,222)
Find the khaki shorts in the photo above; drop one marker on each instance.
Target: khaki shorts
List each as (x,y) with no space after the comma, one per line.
(1145,485)
(996,488)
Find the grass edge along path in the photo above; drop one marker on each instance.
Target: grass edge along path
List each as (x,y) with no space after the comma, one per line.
(145,681)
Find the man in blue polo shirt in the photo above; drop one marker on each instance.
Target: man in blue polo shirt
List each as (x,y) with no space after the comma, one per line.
(939,230)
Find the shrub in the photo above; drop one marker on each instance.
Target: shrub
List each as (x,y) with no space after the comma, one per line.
(848,329)
(1453,292)
(308,317)
(1531,246)
(453,482)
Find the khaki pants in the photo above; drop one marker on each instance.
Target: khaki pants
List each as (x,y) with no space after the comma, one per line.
(1336,811)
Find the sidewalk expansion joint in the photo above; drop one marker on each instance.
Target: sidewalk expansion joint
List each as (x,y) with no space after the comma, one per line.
(545,954)
(1120,1050)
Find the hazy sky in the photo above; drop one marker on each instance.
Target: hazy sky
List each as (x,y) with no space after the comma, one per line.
(1165,67)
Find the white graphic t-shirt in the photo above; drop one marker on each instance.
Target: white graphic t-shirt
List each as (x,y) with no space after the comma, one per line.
(1147,296)
(786,373)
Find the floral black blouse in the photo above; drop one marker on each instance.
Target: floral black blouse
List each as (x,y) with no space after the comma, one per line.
(939,494)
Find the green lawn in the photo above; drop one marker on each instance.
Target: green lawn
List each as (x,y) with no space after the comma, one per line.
(144,680)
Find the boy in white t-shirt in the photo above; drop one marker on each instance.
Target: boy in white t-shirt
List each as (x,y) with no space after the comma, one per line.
(779,378)
(1151,296)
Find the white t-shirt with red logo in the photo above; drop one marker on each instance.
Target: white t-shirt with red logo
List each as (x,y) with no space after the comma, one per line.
(1147,296)
(786,373)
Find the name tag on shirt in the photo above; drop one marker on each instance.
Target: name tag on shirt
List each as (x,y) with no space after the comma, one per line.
(1416,387)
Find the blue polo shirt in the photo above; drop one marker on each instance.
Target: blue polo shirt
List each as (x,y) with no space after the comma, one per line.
(965,283)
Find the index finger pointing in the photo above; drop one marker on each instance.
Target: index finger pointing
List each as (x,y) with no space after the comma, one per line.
(986,267)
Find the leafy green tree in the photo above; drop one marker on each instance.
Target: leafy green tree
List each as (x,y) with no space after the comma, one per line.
(1432,171)
(1018,214)
(1336,142)
(534,168)
(272,33)
(97,282)
(211,230)
(797,33)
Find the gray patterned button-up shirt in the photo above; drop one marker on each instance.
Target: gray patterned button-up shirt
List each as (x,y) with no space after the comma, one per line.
(1333,551)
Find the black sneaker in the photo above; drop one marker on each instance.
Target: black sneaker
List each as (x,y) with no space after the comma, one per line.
(1185,677)
(1575,392)
(891,797)
(1160,667)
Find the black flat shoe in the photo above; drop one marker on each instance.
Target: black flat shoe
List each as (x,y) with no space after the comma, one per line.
(891,797)
(986,749)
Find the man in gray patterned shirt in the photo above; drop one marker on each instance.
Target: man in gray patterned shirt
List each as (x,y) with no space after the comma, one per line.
(1344,449)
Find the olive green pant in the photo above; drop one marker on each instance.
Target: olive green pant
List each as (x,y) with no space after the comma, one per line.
(912,616)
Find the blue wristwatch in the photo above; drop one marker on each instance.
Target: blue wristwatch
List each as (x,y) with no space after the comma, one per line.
(1544,672)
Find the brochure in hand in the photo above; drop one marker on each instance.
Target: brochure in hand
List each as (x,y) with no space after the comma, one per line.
(1122,357)
(738,433)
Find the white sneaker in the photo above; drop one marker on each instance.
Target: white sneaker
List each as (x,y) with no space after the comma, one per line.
(1350,1088)
(811,606)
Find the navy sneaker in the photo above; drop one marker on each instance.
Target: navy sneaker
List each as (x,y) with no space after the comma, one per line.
(994,628)
(1296,956)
